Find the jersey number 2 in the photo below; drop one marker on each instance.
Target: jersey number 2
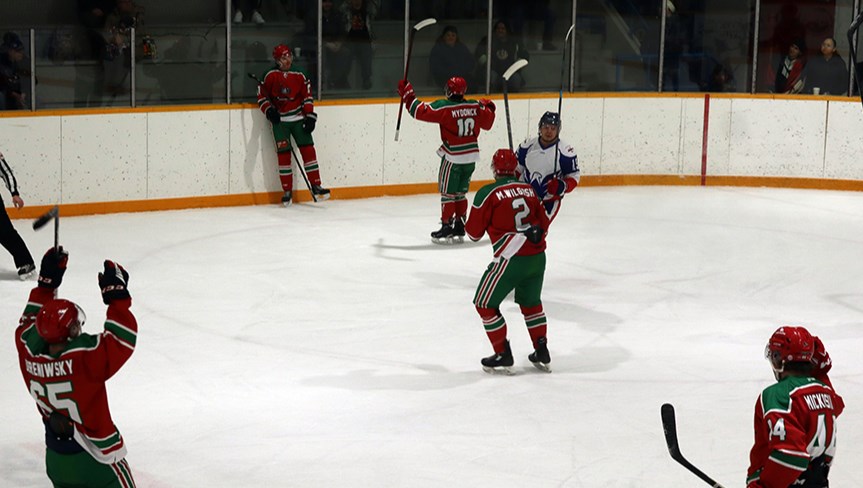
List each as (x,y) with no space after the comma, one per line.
(521,211)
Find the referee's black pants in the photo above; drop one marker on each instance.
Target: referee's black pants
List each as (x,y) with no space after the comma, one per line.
(11,240)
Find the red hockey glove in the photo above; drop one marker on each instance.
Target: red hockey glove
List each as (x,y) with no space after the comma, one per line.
(53,268)
(273,115)
(406,91)
(556,187)
(113,282)
(485,102)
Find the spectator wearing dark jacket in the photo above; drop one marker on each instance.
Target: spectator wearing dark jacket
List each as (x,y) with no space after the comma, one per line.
(505,50)
(12,96)
(450,57)
(827,73)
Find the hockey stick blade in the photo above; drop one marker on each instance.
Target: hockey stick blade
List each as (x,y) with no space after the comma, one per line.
(669,425)
(569,32)
(519,64)
(425,23)
(46,217)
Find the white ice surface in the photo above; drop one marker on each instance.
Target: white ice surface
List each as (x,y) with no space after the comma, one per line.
(333,345)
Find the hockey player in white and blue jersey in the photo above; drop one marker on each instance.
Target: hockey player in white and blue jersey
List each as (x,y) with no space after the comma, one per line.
(549,164)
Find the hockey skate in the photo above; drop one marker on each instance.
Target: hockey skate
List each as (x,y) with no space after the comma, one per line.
(541,358)
(458,230)
(320,192)
(287,199)
(26,272)
(499,363)
(445,235)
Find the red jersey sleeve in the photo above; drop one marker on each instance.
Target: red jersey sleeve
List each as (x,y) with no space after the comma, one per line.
(116,342)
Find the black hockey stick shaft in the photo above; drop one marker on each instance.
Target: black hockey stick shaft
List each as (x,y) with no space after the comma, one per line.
(416,28)
(294,154)
(669,425)
(506,110)
(52,214)
(852,33)
(513,68)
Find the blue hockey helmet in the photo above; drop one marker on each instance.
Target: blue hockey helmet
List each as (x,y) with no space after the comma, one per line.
(549,118)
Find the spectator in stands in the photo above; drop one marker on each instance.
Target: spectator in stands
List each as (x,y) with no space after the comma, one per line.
(790,76)
(450,57)
(12,96)
(505,50)
(517,11)
(92,15)
(721,80)
(247,9)
(827,73)
(337,61)
(336,58)
(118,55)
(358,16)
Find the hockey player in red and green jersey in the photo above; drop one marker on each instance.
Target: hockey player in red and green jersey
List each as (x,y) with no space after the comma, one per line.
(65,371)
(460,120)
(795,418)
(512,215)
(285,97)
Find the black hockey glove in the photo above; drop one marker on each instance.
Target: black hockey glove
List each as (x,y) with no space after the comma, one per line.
(309,122)
(113,282)
(534,234)
(61,426)
(273,115)
(53,268)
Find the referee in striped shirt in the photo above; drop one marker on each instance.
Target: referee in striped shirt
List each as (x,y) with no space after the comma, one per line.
(9,237)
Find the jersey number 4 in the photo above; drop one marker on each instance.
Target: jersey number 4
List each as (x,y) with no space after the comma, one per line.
(49,397)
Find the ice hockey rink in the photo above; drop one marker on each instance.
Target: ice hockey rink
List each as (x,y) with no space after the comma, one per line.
(333,345)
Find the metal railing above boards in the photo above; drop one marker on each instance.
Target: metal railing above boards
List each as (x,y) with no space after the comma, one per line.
(617,46)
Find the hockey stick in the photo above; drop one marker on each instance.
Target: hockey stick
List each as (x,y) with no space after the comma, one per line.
(53,214)
(852,31)
(294,154)
(563,68)
(560,97)
(517,65)
(669,424)
(419,25)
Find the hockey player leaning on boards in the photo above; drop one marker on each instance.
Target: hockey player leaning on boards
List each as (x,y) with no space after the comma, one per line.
(460,120)
(285,97)
(549,164)
(516,223)
(795,418)
(65,371)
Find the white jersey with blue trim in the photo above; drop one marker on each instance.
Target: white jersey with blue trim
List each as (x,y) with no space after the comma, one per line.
(538,164)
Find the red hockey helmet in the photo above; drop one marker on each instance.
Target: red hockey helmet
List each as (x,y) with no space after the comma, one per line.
(280,51)
(504,163)
(789,344)
(455,86)
(58,320)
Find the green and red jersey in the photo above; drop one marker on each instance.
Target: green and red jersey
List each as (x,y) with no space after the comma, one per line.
(794,432)
(505,209)
(73,381)
(460,124)
(290,91)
